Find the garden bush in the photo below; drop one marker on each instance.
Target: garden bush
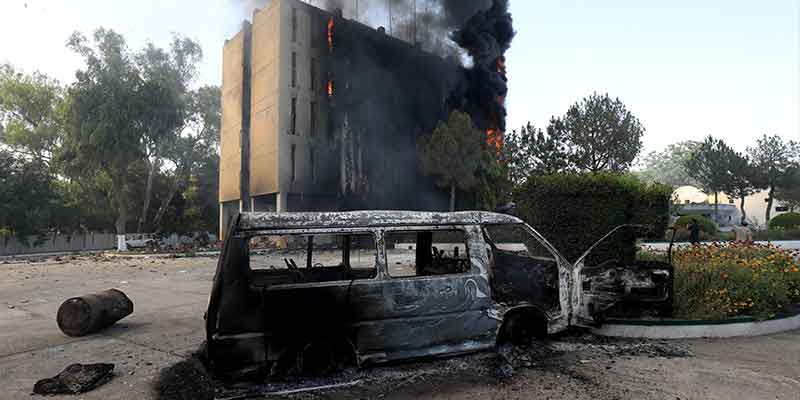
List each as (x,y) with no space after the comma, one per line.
(682,235)
(719,281)
(573,211)
(782,234)
(706,225)
(789,220)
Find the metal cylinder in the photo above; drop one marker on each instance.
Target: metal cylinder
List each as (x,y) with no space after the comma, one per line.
(83,315)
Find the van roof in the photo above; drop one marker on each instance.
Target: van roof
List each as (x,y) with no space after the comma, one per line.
(365,219)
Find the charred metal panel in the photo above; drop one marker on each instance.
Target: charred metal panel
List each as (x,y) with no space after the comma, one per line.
(520,278)
(614,289)
(333,220)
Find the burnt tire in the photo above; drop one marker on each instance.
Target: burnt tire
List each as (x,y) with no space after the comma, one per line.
(521,328)
(324,357)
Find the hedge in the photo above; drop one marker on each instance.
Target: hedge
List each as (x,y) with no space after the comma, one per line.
(790,220)
(573,211)
(706,225)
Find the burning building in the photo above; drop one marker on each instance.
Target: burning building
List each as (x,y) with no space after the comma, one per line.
(323,113)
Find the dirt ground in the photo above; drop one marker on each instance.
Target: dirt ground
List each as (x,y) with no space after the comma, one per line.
(170,296)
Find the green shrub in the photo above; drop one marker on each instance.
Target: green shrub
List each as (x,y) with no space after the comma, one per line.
(782,234)
(706,225)
(789,220)
(682,235)
(573,211)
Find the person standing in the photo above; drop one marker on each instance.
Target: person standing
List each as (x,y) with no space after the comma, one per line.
(694,232)
(743,233)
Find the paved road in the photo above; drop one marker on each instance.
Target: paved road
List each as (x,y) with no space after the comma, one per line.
(170,296)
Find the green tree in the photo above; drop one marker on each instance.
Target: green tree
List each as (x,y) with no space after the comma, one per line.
(741,180)
(31,111)
(774,160)
(788,192)
(708,165)
(668,166)
(106,126)
(601,134)
(531,151)
(26,196)
(166,103)
(194,150)
(34,111)
(455,154)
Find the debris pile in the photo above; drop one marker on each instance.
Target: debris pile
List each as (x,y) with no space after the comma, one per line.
(616,347)
(75,379)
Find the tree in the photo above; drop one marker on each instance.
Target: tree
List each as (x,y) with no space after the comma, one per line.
(166,102)
(26,196)
(774,160)
(106,125)
(531,151)
(788,192)
(195,149)
(709,166)
(601,134)
(741,180)
(31,113)
(669,165)
(454,153)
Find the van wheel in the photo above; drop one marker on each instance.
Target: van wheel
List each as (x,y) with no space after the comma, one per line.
(316,358)
(520,329)
(323,357)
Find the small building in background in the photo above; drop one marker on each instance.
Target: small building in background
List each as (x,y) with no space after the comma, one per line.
(692,200)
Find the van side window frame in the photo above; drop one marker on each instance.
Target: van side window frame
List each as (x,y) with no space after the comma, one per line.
(377,239)
(473,269)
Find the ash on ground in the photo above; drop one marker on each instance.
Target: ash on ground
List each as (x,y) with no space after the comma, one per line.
(562,354)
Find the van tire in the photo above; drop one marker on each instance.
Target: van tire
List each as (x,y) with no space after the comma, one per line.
(521,326)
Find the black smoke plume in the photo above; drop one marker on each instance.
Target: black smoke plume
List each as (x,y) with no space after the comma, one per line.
(485,36)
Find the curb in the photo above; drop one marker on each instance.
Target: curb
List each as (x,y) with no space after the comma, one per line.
(682,329)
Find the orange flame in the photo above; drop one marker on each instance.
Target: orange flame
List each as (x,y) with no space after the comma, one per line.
(500,64)
(330,33)
(495,138)
(330,88)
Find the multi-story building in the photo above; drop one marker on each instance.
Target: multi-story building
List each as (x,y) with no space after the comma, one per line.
(324,113)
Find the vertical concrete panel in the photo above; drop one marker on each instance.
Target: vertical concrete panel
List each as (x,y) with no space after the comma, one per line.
(266,106)
(231,125)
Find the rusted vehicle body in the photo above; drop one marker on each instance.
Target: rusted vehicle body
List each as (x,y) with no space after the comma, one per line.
(294,290)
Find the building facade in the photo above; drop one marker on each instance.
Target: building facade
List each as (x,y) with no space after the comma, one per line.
(323,113)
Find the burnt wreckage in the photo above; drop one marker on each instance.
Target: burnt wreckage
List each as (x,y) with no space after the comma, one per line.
(310,290)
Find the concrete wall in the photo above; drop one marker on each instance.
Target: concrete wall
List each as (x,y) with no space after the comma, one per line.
(309,44)
(231,125)
(266,106)
(60,243)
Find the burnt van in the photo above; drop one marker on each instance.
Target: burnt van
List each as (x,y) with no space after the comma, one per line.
(311,290)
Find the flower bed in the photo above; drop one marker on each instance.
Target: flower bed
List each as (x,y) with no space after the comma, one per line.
(720,281)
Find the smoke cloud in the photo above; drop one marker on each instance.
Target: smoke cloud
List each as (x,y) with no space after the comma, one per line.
(429,22)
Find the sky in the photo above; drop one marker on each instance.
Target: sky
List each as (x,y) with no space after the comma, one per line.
(728,68)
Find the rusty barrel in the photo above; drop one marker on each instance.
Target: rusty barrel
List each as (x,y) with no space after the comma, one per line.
(83,315)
